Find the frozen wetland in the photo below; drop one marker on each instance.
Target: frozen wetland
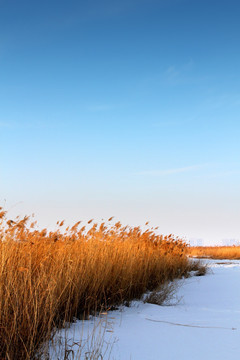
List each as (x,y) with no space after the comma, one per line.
(202,321)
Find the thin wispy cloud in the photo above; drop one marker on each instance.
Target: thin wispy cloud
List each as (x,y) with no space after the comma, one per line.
(172,73)
(223,101)
(223,174)
(182,74)
(171,171)
(175,74)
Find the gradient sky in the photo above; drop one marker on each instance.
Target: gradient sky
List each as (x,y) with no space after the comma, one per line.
(127,108)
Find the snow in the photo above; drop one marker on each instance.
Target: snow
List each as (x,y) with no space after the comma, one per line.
(201,322)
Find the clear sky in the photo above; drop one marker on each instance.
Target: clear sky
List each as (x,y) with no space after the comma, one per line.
(128,108)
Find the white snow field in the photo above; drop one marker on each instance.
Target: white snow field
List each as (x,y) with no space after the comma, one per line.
(201,322)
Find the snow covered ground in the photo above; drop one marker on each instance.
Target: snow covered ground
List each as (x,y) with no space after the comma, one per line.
(201,322)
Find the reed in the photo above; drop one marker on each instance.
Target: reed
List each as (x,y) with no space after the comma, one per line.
(49,278)
(215,252)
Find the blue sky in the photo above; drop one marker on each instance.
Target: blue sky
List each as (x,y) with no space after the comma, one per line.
(125,108)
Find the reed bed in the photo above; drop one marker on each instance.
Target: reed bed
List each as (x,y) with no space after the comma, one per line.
(215,252)
(49,278)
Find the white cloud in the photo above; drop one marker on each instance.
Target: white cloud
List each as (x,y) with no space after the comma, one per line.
(171,171)
(181,74)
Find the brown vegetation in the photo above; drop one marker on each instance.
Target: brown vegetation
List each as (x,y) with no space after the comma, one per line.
(215,252)
(48,278)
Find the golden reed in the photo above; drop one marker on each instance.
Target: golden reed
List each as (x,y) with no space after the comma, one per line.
(215,252)
(47,278)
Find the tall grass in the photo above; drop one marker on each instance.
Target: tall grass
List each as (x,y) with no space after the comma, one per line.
(215,252)
(48,278)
